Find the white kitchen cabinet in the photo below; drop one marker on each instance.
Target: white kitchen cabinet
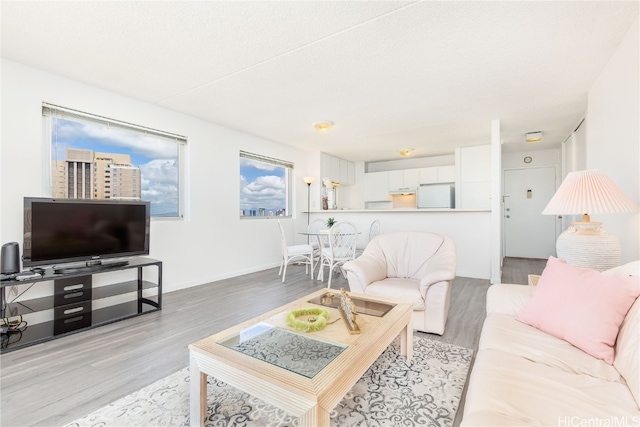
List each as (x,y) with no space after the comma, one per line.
(351,173)
(347,172)
(376,187)
(475,163)
(337,170)
(329,167)
(400,180)
(436,174)
(446,173)
(411,178)
(325,167)
(395,180)
(473,191)
(428,175)
(344,172)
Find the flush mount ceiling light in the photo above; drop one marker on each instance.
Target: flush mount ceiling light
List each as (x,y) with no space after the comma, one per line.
(534,136)
(406,151)
(323,126)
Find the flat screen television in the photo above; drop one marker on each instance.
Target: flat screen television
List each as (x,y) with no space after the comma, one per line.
(64,231)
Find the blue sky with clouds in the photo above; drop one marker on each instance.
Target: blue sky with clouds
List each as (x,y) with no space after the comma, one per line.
(262,185)
(157,158)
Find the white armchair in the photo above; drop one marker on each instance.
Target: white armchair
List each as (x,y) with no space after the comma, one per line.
(408,266)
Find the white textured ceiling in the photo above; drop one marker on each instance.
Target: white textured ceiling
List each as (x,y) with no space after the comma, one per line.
(390,74)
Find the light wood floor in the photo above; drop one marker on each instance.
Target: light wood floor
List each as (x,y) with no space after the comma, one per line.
(53,383)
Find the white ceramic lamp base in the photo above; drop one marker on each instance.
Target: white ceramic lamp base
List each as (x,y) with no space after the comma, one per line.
(587,244)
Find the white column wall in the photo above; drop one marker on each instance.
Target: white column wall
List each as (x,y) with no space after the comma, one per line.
(496,202)
(613,137)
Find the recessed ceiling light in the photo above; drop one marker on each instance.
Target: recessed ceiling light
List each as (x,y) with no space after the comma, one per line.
(323,126)
(534,136)
(405,151)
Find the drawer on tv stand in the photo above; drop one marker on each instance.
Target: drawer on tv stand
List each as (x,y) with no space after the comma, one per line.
(71,317)
(72,289)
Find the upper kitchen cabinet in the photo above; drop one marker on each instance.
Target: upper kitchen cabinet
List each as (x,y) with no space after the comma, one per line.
(403,180)
(376,187)
(446,173)
(428,175)
(347,172)
(329,167)
(436,174)
(337,170)
(474,189)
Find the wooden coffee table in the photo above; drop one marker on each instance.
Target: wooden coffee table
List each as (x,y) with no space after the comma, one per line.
(308,390)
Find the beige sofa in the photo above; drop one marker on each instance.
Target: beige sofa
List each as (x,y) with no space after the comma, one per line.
(525,377)
(412,266)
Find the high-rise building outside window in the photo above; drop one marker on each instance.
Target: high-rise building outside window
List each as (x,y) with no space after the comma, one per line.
(88,150)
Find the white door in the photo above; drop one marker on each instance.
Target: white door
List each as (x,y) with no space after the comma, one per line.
(528,233)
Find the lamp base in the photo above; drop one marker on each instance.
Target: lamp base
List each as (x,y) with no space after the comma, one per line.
(589,245)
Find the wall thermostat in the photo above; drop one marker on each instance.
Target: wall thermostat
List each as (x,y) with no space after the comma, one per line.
(528,159)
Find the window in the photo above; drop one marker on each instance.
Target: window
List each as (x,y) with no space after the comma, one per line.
(265,186)
(84,142)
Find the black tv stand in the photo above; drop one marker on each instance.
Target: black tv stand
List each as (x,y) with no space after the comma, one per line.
(89,267)
(83,298)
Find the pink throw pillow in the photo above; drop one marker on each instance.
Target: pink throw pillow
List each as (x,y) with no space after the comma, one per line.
(581,306)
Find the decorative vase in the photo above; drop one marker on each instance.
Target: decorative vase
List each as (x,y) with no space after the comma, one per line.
(325,204)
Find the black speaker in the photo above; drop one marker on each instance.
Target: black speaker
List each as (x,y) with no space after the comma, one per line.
(10,258)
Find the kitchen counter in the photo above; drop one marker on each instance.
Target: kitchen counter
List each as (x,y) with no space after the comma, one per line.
(469,228)
(413,210)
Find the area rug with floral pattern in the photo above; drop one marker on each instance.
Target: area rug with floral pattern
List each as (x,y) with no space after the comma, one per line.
(425,391)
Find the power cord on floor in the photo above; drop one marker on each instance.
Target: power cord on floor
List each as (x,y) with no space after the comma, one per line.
(10,337)
(13,324)
(12,329)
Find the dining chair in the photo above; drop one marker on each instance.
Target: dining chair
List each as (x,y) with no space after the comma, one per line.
(374,231)
(294,253)
(314,238)
(342,248)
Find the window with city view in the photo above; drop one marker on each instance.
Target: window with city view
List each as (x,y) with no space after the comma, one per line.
(264,186)
(97,158)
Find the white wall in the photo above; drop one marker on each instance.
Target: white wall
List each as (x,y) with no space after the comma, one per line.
(575,151)
(612,136)
(411,163)
(212,242)
(539,158)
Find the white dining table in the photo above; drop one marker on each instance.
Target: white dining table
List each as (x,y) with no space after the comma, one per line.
(322,237)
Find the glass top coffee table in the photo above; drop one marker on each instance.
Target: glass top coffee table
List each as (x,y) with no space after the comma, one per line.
(305,374)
